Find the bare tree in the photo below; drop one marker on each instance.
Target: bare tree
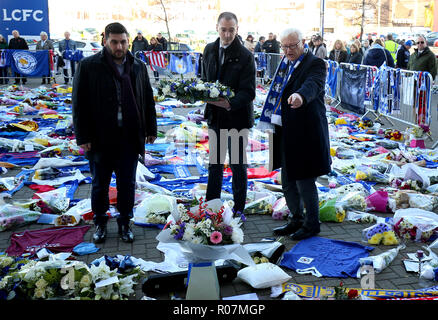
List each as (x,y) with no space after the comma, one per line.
(166,18)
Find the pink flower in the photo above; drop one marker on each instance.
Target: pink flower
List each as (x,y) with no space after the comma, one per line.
(216,237)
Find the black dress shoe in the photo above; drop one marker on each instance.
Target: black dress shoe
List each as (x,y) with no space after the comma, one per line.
(303,233)
(126,234)
(99,234)
(288,228)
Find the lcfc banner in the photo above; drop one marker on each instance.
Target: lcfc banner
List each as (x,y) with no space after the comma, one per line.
(29,17)
(29,63)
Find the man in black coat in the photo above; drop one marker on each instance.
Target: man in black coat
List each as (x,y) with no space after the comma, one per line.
(162,40)
(229,121)
(18,43)
(272,48)
(113,116)
(301,144)
(403,55)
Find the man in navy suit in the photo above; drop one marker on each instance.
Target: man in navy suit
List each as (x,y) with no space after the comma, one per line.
(301,146)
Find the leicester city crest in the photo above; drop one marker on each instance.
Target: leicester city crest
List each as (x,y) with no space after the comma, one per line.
(25,62)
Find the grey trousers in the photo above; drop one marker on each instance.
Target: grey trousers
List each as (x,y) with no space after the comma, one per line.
(300,194)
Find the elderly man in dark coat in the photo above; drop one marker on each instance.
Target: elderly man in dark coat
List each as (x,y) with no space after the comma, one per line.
(301,144)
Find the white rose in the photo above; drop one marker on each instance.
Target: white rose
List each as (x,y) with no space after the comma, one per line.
(237,235)
(41,283)
(40,293)
(200,87)
(214,93)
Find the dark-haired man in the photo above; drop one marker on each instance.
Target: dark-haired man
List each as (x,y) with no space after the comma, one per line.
(114,114)
(229,120)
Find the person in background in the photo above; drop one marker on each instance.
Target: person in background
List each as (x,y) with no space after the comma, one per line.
(249,43)
(377,55)
(423,59)
(18,43)
(139,44)
(355,55)
(319,48)
(229,120)
(64,45)
(3,69)
(154,45)
(114,116)
(391,46)
(303,127)
(259,46)
(162,40)
(272,48)
(403,55)
(359,45)
(45,44)
(365,47)
(370,39)
(339,53)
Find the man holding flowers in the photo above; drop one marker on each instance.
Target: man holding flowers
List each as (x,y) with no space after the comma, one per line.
(229,119)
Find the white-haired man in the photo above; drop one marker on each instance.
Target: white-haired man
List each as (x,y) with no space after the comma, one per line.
(45,44)
(68,44)
(301,128)
(18,43)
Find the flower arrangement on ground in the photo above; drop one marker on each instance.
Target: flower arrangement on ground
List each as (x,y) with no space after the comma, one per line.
(205,225)
(193,90)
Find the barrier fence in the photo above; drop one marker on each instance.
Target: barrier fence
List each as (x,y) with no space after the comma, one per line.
(385,92)
(394,94)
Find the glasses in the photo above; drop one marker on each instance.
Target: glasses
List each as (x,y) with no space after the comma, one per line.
(292,46)
(420,42)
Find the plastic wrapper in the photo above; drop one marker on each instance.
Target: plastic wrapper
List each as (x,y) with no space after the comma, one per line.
(56,200)
(380,233)
(378,201)
(261,206)
(68,220)
(381,261)
(361,217)
(416,224)
(280,209)
(352,187)
(365,173)
(13,216)
(352,201)
(329,211)
(155,209)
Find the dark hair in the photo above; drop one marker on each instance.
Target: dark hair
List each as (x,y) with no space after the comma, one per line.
(262,38)
(116,28)
(389,36)
(227,16)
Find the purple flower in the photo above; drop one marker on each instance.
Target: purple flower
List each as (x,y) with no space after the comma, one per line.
(228,230)
(180,233)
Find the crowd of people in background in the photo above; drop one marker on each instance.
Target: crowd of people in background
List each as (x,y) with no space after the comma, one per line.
(372,51)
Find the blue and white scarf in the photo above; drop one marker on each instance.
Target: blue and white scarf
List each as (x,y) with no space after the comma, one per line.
(271,114)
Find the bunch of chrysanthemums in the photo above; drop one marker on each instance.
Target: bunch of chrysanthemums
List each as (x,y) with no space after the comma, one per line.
(193,90)
(204,225)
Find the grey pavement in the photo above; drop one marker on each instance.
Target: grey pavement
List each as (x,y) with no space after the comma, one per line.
(255,229)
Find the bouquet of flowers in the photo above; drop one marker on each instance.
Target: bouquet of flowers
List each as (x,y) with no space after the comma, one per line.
(207,232)
(193,90)
(12,216)
(380,233)
(416,224)
(420,131)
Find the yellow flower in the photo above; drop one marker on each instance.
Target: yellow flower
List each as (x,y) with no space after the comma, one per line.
(41,284)
(85,281)
(264,260)
(389,238)
(340,215)
(360,175)
(375,239)
(40,293)
(340,121)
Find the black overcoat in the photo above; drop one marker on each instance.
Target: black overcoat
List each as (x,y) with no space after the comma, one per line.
(304,136)
(238,72)
(95,103)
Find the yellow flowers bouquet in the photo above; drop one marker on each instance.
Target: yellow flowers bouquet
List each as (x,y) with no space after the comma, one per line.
(380,233)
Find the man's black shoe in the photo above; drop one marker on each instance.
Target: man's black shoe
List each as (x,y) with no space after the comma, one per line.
(99,234)
(288,228)
(303,233)
(126,234)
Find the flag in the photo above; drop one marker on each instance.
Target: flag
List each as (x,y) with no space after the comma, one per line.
(181,65)
(156,58)
(28,63)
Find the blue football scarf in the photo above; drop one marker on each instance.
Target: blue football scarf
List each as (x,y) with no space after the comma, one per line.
(271,114)
(325,257)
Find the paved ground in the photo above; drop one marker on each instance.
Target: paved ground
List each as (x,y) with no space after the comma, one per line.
(255,228)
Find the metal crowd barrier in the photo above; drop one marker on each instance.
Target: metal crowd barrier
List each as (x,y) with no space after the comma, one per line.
(397,94)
